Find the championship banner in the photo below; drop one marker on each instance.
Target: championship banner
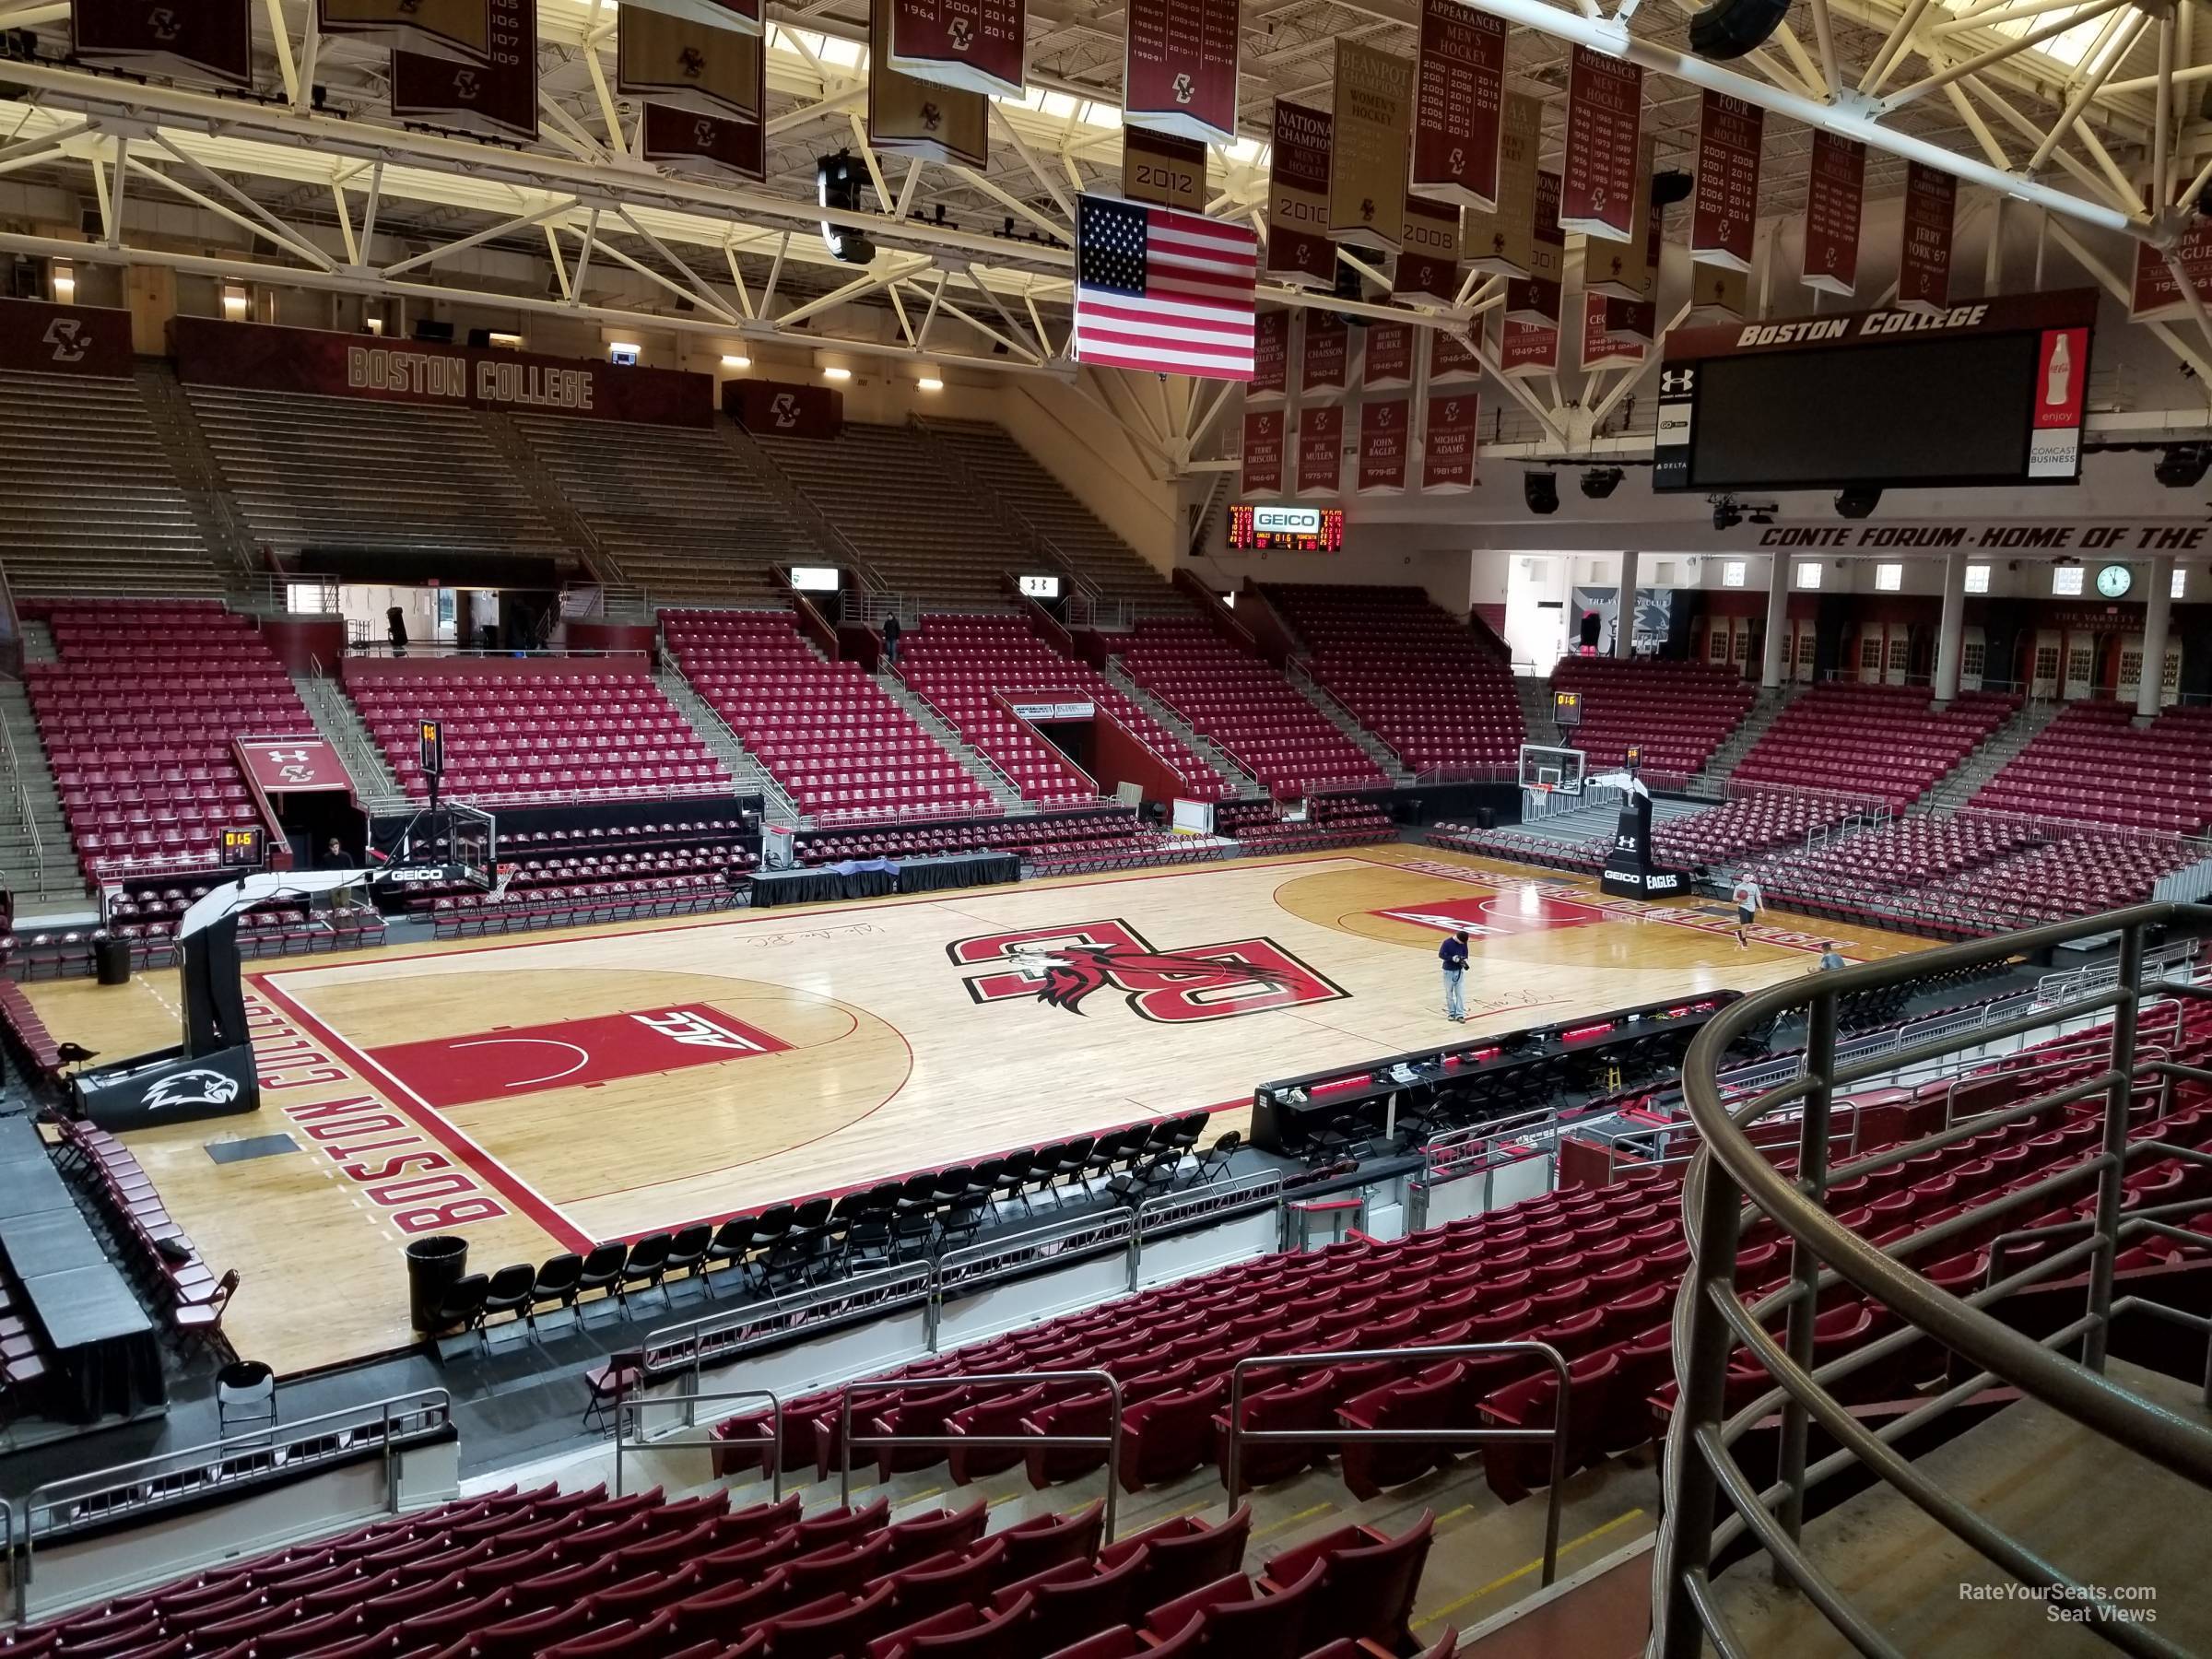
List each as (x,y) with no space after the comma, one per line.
(1500,242)
(1321,450)
(977,45)
(1270,356)
(918,118)
(1834,191)
(1924,260)
(209,39)
(1179,69)
(788,409)
(1724,216)
(1298,249)
(1452,359)
(259,356)
(1717,294)
(704,144)
(1535,297)
(1604,118)
(1629,270)
(1526,350)
(495,100)
(2154,295)
(1383,429)
(1324,354)
(1608,340)
(1263,453)
(1458,104)
(459,29)
(1448,446)
(744,16)
(1429,264)
(1163,168)
(682,64)
(1373,128)
(1388,359)
(39,338)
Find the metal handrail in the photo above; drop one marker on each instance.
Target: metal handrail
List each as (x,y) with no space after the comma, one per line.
(1556,1434)
(624,1406)
(1731,1177)
(1110,1443)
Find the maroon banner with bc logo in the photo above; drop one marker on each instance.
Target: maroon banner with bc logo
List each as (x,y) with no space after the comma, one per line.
(977,44)
(278,765)
(1835,192)
(1385,426)
(1263,453)
(1321,450)
(1458,103)
(1448,447)
(1179,71)
(1923,263)
(213,39)
(1325,357)
(1388,360)
(39,338)
(703,144)
(784,408)
(1724,215)
(257,356)
(498,99)
(1605,119)
(1270,356)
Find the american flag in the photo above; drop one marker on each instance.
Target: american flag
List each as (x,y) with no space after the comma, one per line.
(1163,291)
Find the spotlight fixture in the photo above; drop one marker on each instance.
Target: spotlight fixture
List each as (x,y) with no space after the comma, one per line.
(837,181)
(1858,501)
(1671,186)
(1347,287)
(735,359)
(1729,29)
(2183,465)
(1726,514)
(1540,491)
(1601,481)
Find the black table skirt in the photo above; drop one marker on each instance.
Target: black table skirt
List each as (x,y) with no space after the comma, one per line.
(120,1377)
(871,881)
(975,869)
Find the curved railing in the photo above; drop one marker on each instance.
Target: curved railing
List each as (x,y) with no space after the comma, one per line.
(1712,1501)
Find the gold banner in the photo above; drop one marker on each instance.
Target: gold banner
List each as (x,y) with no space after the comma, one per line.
(460,30)
(1629,270)
(1374,137)
(684,65)
(1719,294)
(1162,168)
(908,116)
(1503,243)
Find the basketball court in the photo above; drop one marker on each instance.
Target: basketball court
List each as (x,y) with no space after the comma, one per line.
(551,1092)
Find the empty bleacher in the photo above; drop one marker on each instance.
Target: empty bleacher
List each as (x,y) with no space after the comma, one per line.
(125,527)
(832,737)
(355,474)
(1676,712)
(1419,679)
(1247,707)
(2092,763)
(677,511)
(1885,741)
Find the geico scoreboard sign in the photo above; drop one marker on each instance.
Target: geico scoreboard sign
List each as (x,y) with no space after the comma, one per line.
(1286,521)
(260,357)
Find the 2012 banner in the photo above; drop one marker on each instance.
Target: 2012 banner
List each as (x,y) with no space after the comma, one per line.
(1179,71)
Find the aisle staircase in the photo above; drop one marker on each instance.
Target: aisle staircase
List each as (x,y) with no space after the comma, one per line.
(971,759)
(538,482)
(221,526)
(1381,753)
(1957,787)
(1535,709)
(747,775)
(342,727)
(1721,765)
(1247,787)
(38,859)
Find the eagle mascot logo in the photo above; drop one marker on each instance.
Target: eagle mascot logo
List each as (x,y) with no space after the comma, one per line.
(1072,972)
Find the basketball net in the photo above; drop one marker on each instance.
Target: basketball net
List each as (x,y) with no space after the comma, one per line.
(499,887)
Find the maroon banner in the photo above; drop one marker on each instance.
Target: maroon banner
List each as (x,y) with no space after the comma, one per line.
(282,765)
(1179,69)
(1270,356)
(1263,453)
(39,338)
(784,408)
(209,39)
(977,44)
(460,30)
(1459,92)
(1528,349)
(1298,249)
(497,99)
(744,16)
(1609,332)
(1388,360)
(1535,297)
(1448,446)
(1428,258)
(1723,217)
(703,144)
(1321,450)
(1923,260)
(1605,117)
(260,358)
(1384,427)
(2154,295)
(1451,358)
(1834,191)
(1324,358)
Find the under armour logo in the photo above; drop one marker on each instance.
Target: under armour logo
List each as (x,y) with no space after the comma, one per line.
(962,34)
(693,61)
(68,338)
(1677,379)
(162,23)
(783,409)
(1184,90)
(465,85)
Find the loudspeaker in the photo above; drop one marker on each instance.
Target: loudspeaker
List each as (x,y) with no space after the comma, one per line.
(1732,28)
(435,334)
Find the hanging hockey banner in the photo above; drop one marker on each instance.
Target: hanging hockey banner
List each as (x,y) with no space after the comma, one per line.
(1179,69)
(1500,242)
(702,144)
(911,117)
(1629,270)
(1605,119)
(976,45)
(496,99)
(1609,333)
(678,64)
(209,39)
(1298,249)
(1429,264)
(1374,119)
(743,16)
(1163,168)
(1724,212)
(1930,223)
(1835,190)
(1526,350)
(1458,104)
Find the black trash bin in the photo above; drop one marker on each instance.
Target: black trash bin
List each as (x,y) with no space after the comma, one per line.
(1485,817)
(435,1265)
(111,958)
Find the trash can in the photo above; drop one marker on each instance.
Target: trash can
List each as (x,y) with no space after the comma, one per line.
(435,1265)
(111,958)
(1485,817)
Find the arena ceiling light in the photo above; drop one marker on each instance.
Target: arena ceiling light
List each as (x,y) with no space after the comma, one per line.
(1726,514)
(735,359)
(1601,481)
(1541,491)
(929,377)
(837,181)
(2183,465)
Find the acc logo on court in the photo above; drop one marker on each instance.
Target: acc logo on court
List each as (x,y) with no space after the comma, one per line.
(1064,966)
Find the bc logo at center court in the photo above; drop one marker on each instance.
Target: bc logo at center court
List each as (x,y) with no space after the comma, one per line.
(1065,966)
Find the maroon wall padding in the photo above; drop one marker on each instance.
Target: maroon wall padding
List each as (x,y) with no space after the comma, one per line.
(304,642)
(784,408)
(1119,756)
(586,634)
(39,338)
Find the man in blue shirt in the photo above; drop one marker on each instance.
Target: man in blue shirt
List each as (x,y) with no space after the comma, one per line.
(1452,954)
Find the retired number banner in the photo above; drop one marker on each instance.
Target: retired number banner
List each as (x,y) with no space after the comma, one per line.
(1388,358)
(1321,450)
(1609,329)
(209,39)
(1428,265)
(1629,270)
(1924,264)
(1385,426)
(911,117)
(1501,243)
(978,45)
(1270,356)
(1723,217)
(1179,71)
(1298,249)
(1324,358)
(1452,359)
(1366,167)
(1448,446)
(1262,452)
(1458,104)
(1528,349)
(460,30)
(1163,168)
(1835,190)
(1716,292)
(498,99)
(2154,295)
(1604,118)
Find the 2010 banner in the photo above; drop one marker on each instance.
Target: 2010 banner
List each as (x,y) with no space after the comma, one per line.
(1458,104)
(1923,262)
(1500,242)
(1373,117)
(1835,192)
(1448,443)
(977,45)
(1383,431)
(1163,168)
(1298,249)
(1270,356)
(460,30)
(212,39)
(1321,450)
(681,64)
(1325,355)
(1263,464)
(1605,120)
(497,98)
(1724,218)
(911,117)
(1535,297)
(1179,70)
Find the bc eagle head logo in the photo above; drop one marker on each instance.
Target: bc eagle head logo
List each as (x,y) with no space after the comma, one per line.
(201,1086)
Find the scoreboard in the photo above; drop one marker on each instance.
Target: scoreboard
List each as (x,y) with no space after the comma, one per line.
(1287,529)
(1991,391)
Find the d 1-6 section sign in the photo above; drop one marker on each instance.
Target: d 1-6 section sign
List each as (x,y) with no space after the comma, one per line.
(497,98)
(1458,104)
(979,45)
(204,39)
(1180,70)
(1604,118)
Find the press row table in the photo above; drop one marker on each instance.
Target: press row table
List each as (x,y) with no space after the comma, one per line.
(872,877)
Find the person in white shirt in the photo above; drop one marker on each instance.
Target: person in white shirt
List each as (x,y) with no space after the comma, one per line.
(1749,902)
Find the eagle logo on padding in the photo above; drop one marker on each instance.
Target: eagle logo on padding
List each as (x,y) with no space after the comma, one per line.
(197,1088)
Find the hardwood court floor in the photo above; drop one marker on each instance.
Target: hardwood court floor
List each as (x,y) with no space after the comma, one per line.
(548,1091)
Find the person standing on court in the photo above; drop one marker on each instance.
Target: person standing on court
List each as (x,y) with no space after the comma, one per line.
(1749,902)
(1830,959)
(1453,955)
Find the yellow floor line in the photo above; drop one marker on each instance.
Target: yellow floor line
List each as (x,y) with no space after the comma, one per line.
(1523,1572)
(1454,1514)
(1304,1514)
(1002,1498)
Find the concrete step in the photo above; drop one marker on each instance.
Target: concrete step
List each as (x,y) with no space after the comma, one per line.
(342,726)
(1248,787)
(1342,719)
(971,759)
